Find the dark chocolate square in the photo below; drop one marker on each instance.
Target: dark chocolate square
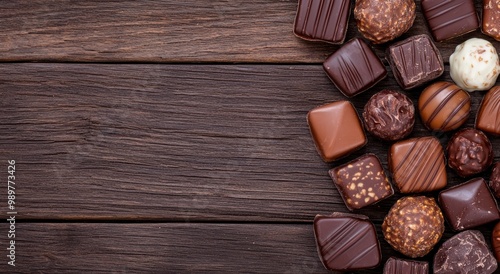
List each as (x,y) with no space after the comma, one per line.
(361,182)
(354,68)
(415,61)
(322,20)
(336,130)
(400,266)
(451,18)
(346,242)
(468,205)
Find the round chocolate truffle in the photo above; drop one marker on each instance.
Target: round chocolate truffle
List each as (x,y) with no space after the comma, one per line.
(414,225)
(469,152)
(443,106)
(474,65)
(389,115)
(495,180)
(381,21)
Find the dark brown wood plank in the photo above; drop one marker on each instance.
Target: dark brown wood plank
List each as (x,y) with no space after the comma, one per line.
(174,142)
(172,248)
(167,31)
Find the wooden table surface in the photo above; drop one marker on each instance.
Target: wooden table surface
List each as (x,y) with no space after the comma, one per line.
(170,136)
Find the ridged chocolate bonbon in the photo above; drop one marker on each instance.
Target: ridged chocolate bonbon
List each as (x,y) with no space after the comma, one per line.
(491,18)
(413,225)
(468,205)
(354,68)
(361,182)
(336,130)
(415,61)
(381,21)
(465,253)
(417,165)
(488,116)
(449,19)
(389,115)
(322,20)
(399,266)
(444,106)
(346,242)
(495,180)
(469,152)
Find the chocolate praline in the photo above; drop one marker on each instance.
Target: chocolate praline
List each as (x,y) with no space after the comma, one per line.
(389,115)
(414,225)
(495,180)
(469,152)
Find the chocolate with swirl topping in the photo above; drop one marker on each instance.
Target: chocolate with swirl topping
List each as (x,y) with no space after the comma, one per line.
(469,152)
(389,115)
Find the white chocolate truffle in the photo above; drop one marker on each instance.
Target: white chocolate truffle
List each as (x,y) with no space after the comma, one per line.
(474,65)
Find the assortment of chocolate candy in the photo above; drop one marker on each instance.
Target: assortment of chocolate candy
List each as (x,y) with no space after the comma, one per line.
(414,225)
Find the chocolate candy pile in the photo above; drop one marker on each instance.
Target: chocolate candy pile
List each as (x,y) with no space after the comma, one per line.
(415,224)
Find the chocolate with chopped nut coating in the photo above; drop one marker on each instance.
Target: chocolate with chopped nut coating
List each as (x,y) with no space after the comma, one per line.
(469,152)
(381,21)
(389,115)
(491,18)
(361,182)
(467,253)
(413,225)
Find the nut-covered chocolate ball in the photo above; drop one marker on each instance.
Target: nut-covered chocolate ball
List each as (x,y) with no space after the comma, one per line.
(474,65)
(414,225)
(381,21)
(469,152)
(443,106)
(389,115)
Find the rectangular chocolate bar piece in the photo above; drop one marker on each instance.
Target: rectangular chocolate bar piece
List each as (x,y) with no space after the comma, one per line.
(491,18)
(361,182)
(449,19)
(322,20)
(400,266)
(415,61)
(354,68)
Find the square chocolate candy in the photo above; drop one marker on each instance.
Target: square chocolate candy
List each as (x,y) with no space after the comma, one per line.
(418,165)
(336,130)
(488,116)
(415,61)
(399,266)
(322,20)
(491,18)
(449,19)
(346,242)
(468,205)
(361,182)
(354,68)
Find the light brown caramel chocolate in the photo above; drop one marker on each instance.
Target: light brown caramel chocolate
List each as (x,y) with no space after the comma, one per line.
(488,116)
(336,130)
(418,165)
(444,106)
(414,225)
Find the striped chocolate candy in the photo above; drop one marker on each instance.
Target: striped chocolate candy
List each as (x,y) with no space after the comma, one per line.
(418,165)
(488,116)
(444,106)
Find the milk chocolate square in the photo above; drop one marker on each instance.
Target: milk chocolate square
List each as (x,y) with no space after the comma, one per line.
(488,116)
(354,68)
(449,19)
(491,18)
(415,61)
(418,165)
(322,20)
(346,242)
(336,130)
(468,205)
(361,182)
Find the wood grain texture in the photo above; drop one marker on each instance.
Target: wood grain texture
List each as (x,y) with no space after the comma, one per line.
(175,142)
(169,31)
(174,248)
